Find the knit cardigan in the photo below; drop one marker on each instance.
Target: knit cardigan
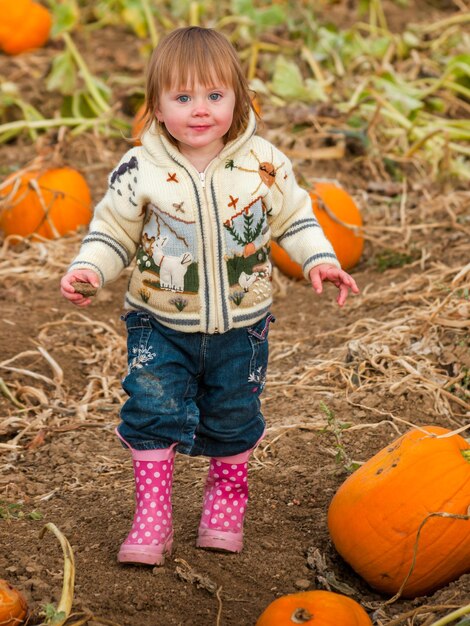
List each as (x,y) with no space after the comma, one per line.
(201,241)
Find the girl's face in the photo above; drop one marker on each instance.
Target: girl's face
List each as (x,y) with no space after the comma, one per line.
(198,118)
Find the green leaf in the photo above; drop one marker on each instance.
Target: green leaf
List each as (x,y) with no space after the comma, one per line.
(77,105)
(52,615)
(272,16)
(436,104)
(378,47)
(63,75)
(65,16)
(35,515)
(403,96)
(262,17)
(287,83)
(460,65)
(105,91)
(356,121)
(134,16)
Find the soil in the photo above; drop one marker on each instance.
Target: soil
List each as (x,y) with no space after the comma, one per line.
(66,466)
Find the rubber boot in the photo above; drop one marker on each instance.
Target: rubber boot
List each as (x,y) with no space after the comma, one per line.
(225,501)
(151,535)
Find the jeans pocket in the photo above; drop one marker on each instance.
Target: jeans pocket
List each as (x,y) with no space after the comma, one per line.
(258,337)
(136,319)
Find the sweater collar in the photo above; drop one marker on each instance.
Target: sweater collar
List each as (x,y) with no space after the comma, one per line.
(158,146)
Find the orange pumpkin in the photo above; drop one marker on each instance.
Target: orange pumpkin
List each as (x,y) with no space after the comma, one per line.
(48,203)
(138,124)
(329,201)
(257,106)
(318,608)
(375,515)
(24,25)
(13,607)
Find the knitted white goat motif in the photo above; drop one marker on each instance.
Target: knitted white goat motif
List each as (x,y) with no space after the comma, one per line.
(172,268)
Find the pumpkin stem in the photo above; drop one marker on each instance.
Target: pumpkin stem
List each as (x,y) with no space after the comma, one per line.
(301,616)
(466,455)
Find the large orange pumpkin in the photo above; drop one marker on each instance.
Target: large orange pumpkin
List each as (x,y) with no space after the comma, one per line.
(377,512)
(24,25)
(48,203)
(13,607)
(329,201)
(318,608)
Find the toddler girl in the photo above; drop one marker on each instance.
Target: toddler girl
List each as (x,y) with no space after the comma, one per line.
(196,205)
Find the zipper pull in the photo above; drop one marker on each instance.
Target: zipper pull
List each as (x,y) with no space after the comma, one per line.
(202,176)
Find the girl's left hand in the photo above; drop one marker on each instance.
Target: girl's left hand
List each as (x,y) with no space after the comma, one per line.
(335,275)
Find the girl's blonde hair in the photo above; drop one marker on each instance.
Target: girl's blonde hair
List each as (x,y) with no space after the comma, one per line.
(194,54)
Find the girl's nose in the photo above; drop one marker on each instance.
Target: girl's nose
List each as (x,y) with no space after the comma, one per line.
(200,108)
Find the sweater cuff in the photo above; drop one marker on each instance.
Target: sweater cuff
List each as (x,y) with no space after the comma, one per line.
(102,254)
(318,259)
(84,265)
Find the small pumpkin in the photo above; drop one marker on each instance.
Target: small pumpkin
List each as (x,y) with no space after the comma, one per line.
(257,106)
(13,606)
(25,25)
(331,205)
(138,124)
(375,515)
(49,203)
(315,608)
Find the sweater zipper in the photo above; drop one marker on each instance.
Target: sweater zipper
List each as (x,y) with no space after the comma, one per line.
(202,178)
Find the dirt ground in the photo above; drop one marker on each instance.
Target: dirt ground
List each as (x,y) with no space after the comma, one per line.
(61,462)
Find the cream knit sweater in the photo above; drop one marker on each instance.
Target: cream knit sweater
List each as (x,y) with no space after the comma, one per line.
(202,240)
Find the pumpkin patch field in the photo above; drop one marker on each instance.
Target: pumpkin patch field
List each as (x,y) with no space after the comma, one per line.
(359,508)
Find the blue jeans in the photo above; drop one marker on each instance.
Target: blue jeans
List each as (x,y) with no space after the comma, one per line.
(200,391)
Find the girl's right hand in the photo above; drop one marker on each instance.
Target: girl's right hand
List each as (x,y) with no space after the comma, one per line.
(83,276)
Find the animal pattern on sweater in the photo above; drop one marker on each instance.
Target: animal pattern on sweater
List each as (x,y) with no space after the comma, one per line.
(168,250)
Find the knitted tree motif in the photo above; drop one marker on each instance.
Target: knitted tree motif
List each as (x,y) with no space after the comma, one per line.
(250,232)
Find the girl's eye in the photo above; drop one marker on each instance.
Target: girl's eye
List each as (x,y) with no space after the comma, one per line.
(215,96)
(183,98)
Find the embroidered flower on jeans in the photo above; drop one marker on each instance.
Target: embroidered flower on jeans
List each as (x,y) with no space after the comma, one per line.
(142,356)
(258,377)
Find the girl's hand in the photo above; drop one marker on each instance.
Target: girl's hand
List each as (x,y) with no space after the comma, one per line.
(338,277)
(82,276)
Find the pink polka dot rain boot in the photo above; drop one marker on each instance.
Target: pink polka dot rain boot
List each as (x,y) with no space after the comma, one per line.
(151,536)
(225,500)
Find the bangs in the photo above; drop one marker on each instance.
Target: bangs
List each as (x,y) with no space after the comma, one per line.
(206,67)
(196,58)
